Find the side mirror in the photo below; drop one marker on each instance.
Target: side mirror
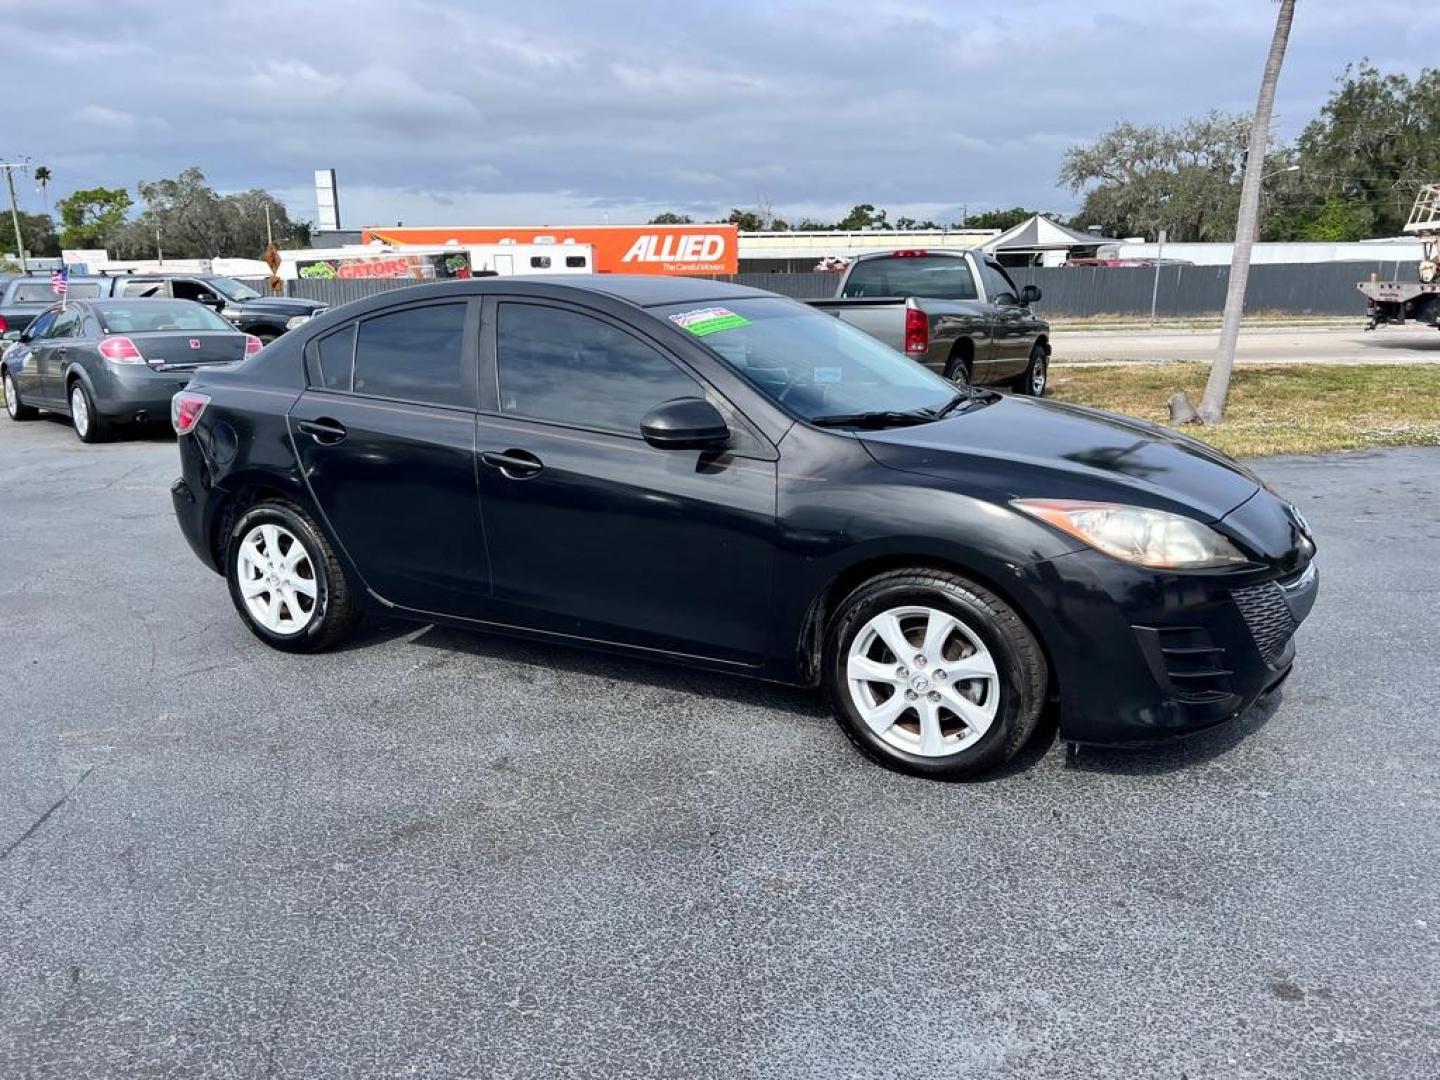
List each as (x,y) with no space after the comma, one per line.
(209,299)
(1029,294)
(685,424)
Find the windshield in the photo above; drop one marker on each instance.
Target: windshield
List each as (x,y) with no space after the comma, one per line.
(148,316)
(810,363)
(232,289)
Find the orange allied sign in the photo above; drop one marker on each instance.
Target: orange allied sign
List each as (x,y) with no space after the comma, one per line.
(619,249)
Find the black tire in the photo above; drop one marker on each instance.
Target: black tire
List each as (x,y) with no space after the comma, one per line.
(1036,378)
(97,427)
(959,370)
(335,611)
(1020,667)
(14,407)
(265,334)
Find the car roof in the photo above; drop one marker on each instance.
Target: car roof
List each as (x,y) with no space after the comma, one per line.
(949,251)
(643,290)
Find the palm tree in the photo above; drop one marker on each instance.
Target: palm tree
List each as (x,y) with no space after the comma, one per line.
(1217,387)
(42,181)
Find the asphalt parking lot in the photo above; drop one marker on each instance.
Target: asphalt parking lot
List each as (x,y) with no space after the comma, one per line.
(437,853)
(1411,344)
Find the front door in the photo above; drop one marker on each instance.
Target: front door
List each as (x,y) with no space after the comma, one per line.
(385,436)
(597,534)
(24,359)
(1011,321)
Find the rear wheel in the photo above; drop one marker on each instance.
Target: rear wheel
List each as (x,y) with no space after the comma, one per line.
(959,368)
(1036,378)
(13,405)
(932,675)
(286,581)
(90,426)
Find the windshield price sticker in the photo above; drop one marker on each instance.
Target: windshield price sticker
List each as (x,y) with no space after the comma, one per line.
(709,320)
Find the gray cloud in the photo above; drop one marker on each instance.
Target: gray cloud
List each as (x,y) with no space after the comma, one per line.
(443,112)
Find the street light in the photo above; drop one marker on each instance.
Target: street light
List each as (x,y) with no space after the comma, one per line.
(1277,172)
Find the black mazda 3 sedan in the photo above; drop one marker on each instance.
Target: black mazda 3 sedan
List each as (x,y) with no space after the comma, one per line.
(721,477)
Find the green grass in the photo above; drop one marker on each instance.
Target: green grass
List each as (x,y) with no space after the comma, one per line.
(1276,409)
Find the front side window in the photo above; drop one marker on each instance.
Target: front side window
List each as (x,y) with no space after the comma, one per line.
(40,325)
(570,368)
(416,354)
(998,286)
(940,277)
(809,363)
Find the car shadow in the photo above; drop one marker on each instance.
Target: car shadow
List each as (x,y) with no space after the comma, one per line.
(1127,761)
(1182,753)
(619,668)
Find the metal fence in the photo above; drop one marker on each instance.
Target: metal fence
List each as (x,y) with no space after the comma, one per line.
(1290,288)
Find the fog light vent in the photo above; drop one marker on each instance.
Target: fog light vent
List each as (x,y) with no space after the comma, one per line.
(1268,617)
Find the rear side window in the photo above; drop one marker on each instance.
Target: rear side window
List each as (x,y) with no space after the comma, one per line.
(144,288)
(413,355)
(573,369)
(36,292)
(337,356)
(939,276)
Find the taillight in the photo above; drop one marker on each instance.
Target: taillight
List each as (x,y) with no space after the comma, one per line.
(909,253)
(185,410)
(253,344)
(120,350)
(4,326)
(917,331)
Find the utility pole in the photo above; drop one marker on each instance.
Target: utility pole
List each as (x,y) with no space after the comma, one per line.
(10,167)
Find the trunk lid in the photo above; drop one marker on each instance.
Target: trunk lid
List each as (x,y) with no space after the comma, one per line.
(175,350)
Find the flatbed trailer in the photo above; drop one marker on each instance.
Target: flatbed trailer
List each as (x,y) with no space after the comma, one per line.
(1412,301)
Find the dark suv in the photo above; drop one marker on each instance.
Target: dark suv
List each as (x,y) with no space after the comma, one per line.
(247,309)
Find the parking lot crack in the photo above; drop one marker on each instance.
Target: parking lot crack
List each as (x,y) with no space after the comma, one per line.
(40,821)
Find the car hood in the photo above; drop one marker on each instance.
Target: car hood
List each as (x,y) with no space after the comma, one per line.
(279,305)
(1020,448)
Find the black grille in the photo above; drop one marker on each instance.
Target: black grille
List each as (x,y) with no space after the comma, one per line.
(1268,617)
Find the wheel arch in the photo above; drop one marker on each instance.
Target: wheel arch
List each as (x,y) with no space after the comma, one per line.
(825,603)
(245,491)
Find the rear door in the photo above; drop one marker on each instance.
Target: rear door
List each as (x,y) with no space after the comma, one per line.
(55,353)
(385,437)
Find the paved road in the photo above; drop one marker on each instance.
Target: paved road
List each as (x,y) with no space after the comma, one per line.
(442,854)
(1326,345)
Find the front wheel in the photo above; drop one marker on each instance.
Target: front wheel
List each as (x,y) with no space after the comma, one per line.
(1036,378)
(286,581)
(16,409)
(932,675)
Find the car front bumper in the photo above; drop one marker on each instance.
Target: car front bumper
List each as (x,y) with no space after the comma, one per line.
(1141,656)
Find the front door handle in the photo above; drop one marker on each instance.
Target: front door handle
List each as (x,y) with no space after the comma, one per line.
(516,464)
(323,430)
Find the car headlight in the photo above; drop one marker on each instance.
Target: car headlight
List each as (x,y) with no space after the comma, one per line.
(1136,534)
(297,321)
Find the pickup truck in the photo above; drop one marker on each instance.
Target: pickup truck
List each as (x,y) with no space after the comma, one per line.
(956,312)
(252,312)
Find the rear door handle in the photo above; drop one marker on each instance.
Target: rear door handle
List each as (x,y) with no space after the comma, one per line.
(516,464)
(323,430)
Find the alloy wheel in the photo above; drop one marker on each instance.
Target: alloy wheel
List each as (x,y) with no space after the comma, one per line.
(1039,372)
(12,403)
(79,410)
(923,681)
(277,579)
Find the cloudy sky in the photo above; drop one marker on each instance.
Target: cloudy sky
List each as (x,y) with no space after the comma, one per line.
(544,112)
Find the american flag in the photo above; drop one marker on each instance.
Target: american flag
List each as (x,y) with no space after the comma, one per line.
(60,281)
